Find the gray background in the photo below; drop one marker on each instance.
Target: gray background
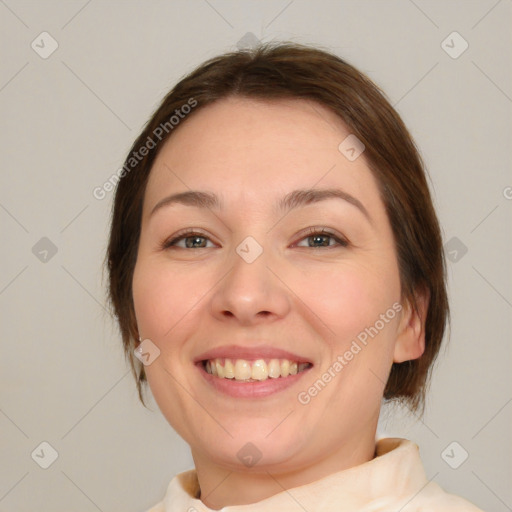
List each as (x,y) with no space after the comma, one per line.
(67,122)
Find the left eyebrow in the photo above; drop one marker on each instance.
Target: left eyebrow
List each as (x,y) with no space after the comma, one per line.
(303,197)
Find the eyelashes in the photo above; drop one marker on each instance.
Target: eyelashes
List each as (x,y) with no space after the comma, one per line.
(191,237)
(325,233)
(184,236)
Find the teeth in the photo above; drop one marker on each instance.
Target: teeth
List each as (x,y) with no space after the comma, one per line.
(220,369)
(274,369)
(242,369)
(229,369)
(258,370)
(285,368)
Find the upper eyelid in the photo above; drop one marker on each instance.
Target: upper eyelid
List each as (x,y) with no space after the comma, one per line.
(323,232)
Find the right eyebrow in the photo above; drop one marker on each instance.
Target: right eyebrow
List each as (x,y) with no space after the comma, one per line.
(191,198)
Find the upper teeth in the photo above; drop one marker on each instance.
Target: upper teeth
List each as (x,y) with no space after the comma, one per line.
(241,369)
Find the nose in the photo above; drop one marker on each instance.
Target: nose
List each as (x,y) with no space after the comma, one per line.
(250,293)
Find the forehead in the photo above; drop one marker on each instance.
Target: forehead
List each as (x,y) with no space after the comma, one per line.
(248,148)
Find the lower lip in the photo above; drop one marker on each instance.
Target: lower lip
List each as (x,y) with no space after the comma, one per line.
(257,389)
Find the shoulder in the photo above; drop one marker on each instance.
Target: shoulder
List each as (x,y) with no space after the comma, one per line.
(407,488)
(432,498)
(180,494)
(159,507)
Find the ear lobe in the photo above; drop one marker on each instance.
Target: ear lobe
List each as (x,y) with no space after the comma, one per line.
(410,342)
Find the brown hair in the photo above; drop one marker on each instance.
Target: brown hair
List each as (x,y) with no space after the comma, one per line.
(287,71)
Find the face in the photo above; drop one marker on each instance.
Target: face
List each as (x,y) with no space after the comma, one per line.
(292,298)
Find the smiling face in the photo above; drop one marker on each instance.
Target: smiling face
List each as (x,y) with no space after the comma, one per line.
(269,275)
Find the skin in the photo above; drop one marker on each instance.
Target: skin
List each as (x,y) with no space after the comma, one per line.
(297,295)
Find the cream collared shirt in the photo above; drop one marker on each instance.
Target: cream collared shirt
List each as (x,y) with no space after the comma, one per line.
(393,481)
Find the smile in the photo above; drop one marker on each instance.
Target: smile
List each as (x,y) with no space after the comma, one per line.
(253,370)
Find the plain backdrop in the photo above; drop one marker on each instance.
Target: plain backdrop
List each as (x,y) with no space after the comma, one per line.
(72,101)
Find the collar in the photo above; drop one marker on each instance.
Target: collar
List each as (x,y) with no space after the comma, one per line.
(396,473)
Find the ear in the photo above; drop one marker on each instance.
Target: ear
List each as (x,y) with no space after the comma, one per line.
(410,342)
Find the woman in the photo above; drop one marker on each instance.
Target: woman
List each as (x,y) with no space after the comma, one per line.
(276,269)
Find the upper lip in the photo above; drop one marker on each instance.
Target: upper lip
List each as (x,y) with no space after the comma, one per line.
(250,353)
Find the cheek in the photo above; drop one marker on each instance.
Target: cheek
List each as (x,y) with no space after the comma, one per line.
(163,297)
(350,298)
(360,307)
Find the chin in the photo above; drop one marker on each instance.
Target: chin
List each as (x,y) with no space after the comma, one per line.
(255,446)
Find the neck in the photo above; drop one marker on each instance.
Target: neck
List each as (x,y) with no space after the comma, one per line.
(221,487)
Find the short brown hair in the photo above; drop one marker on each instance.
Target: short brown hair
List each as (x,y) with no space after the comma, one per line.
(286,71)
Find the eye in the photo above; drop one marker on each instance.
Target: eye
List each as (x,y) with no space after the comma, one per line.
(321,236)
(192,239)
(196,240)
